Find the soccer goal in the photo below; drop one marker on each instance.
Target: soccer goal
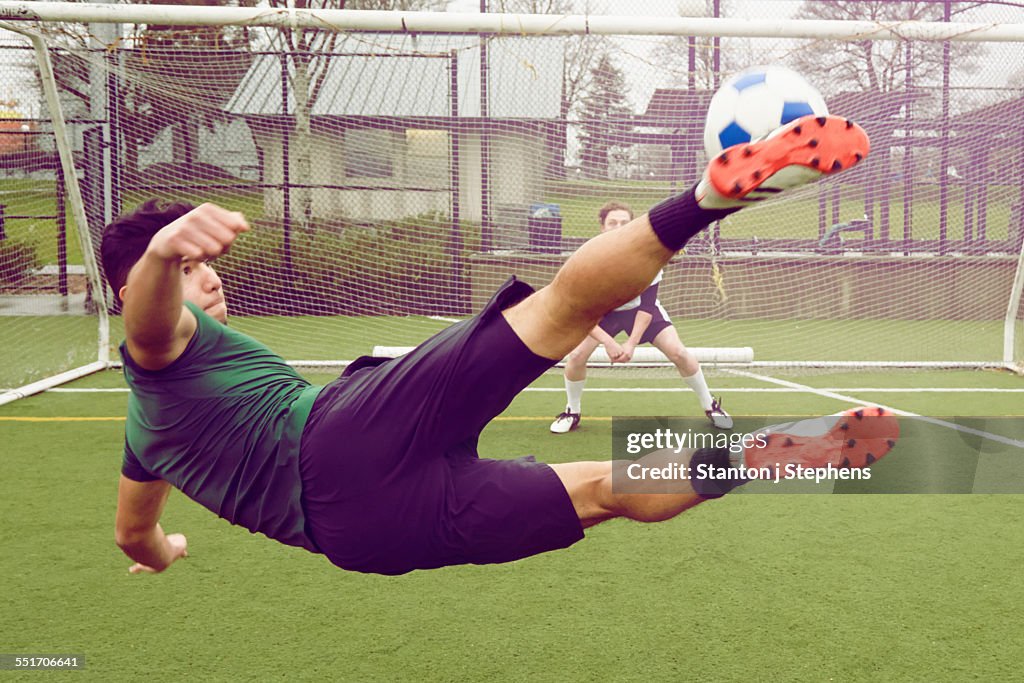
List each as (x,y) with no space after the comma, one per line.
(397,167)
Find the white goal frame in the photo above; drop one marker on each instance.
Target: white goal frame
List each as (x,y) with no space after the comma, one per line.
(20,16)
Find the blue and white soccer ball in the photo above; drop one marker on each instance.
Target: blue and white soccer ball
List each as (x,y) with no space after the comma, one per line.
(756,101)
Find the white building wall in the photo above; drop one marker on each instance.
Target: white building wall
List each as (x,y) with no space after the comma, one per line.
(518,160)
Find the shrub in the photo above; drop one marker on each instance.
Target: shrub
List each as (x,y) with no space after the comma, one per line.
(392,268)
(17,259)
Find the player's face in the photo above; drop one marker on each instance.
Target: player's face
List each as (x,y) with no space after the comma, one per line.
(615,219)
(201,285)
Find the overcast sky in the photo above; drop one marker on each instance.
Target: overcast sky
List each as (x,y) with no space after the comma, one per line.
(1000,62)
(634,54)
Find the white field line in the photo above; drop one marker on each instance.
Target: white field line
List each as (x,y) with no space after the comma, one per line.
(786,387)
(794,390)
(444,319)
(799,389)
(850,399)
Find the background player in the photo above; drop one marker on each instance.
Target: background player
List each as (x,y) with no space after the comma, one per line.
(647,322)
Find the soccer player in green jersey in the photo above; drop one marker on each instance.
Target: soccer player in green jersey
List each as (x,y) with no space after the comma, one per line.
(219,416)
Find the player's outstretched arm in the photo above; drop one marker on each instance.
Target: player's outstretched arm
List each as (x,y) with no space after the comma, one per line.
(137,528)
(157,326)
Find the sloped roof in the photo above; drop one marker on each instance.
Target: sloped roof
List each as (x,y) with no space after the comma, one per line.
(403,75)
(873,105)
(673,107)
(678,107)
(1009,112)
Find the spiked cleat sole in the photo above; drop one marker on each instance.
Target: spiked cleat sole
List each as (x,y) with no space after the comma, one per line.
(821,144)
(853,439)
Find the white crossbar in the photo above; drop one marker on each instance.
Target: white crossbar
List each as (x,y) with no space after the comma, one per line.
(511,24)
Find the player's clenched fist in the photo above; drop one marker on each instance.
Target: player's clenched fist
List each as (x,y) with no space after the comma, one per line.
(204,233)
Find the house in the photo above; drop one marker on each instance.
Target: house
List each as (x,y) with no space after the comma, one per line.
(395,115)
(671,133)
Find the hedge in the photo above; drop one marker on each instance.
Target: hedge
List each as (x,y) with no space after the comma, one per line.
(17,260)
(394,268)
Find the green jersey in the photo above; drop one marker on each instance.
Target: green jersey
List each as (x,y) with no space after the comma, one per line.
(223,423)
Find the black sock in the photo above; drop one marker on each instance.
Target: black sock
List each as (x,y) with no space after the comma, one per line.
(709,487)
(677,219)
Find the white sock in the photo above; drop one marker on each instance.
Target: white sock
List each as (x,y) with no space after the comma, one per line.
(708,198)
(574,392)
(790,176)
(699,385)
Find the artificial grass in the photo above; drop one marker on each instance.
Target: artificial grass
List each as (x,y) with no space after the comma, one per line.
(751,587)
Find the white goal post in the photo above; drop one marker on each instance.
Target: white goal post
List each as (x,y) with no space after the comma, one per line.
(102,362)
(397,166)
(505,24)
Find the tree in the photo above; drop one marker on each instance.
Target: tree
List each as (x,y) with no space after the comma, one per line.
(877,65)
(673,57)
(181,76)
(580,54)
(604,115)
(309,67)
(174,76)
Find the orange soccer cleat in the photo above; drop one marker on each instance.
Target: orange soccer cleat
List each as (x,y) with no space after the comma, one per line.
(799,152)
(854,438)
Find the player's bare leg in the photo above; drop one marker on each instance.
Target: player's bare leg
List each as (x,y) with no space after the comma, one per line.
(617,265)
(593,496)
(576,363)
(575,376)
(601,491)
(606,272)
(668,342)
(689,369)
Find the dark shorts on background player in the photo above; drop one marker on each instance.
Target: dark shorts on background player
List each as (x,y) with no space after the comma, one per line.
(622,321)
(391,477)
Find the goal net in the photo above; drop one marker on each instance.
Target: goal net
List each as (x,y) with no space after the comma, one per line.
(395,179)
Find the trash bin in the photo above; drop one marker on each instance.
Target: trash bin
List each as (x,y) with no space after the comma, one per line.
(509,231)
(545,228)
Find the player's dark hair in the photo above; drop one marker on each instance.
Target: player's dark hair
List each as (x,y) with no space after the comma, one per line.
(126,239)
(613,206)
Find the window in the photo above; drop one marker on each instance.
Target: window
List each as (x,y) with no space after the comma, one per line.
(427,153)
(369,153)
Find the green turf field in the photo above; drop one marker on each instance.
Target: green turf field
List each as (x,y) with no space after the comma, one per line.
(748,588)
(64,342)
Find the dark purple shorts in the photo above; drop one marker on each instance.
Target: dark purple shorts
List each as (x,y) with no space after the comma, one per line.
(390,473)
(622,321)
